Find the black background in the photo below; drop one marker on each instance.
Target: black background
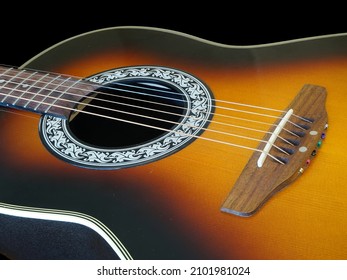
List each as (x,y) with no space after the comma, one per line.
(27,29)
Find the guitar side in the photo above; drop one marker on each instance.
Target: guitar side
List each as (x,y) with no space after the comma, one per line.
(171,208)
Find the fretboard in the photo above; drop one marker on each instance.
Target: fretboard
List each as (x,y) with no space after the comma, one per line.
(41,92)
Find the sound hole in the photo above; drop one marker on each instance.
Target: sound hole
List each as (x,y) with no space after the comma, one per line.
(129,112)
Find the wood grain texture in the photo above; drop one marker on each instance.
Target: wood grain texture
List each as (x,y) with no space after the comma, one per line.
(257,184)
(174,203)
(42,92)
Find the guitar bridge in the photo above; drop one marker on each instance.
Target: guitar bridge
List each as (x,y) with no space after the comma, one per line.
(305,122)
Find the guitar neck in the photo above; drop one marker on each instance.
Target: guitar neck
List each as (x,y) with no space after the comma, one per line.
(41,92)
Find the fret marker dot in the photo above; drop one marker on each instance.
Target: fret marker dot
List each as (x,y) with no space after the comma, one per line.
(313,132)
(2,81)
(302,149)
(25,85)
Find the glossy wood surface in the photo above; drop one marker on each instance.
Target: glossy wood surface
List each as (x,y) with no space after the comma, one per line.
(183,193)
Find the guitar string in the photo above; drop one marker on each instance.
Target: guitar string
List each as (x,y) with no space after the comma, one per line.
(79,81)
(144,116)
(230,134)
(175,106)
(165,104)
(159,128)
(156,110)
(85,82)
(216,100)
(213,106)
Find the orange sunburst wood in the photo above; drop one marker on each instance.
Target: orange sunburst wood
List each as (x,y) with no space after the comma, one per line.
(202,174)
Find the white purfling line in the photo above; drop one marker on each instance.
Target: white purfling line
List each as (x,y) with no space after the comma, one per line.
(70,217)
(273,138)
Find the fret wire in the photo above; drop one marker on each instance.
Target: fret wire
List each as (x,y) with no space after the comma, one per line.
(76,82)
(14,89)
(50,91)
(82,82)
(225,101)
(34,94)
(62,93)
(56,86)
(13,77)
(34,86)
(168,121)
(72,86)
(24,92)
(166,129)
(225,108)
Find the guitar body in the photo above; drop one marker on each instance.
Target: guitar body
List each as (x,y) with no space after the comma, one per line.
(170,208)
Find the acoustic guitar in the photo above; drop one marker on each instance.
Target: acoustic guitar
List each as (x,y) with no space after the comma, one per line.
(145,143)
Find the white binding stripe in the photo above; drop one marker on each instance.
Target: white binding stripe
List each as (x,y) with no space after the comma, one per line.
(273,138)
(72,217)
